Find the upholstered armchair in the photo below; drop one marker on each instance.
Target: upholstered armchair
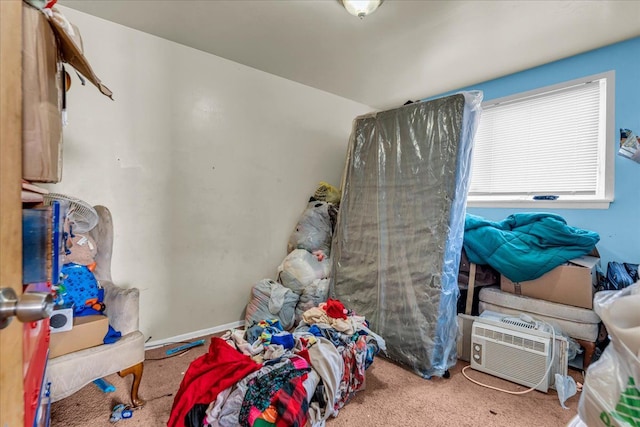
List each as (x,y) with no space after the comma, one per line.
(70,372)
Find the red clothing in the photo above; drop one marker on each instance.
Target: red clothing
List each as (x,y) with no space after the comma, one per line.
(335,309)
(207,376)
(291,403)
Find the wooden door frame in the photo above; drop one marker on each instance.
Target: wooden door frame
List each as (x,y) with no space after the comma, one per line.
(11,363)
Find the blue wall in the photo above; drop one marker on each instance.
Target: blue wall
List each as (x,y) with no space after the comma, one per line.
(618,226)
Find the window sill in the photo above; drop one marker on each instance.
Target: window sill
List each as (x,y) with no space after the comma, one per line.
(541,204)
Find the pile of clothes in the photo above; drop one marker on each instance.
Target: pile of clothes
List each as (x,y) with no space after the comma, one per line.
(268,376)
(301,355)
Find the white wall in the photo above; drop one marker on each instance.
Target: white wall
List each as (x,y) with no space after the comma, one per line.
(205,164)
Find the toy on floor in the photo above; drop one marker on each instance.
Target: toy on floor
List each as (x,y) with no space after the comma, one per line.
(105,386)
(184,347)
(120,412)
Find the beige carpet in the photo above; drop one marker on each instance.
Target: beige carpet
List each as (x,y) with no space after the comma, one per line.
(394,396)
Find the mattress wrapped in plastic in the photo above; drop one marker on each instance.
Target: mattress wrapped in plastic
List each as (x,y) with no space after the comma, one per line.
(397,243)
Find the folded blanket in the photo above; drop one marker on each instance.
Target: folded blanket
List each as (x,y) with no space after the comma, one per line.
(524,246)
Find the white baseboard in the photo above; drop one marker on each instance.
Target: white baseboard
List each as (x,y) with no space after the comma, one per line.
(195,334)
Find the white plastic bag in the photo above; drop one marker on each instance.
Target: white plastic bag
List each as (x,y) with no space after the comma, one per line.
(300,268)
(313,231)
(566,387)
(611,392)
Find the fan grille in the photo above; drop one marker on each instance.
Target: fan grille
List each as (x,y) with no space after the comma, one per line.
(82,214)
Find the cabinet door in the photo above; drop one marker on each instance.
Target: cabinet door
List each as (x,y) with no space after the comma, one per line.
(11,380)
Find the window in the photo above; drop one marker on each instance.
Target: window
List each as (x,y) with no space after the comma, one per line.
(557,141)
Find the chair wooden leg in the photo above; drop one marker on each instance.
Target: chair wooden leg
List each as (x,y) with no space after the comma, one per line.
(136,370)
(589,349)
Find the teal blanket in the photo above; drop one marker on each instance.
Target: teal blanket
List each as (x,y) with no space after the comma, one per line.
(524,246)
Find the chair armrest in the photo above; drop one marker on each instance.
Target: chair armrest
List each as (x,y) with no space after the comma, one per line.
(122,307)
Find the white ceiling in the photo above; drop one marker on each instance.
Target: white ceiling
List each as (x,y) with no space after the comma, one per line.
(405,50)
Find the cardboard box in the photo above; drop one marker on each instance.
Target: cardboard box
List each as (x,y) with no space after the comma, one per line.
(572,283)
(88,331)
(72,49)
(41,99)
(47,44)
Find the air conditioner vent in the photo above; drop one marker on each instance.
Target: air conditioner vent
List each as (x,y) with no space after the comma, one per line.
(519,323)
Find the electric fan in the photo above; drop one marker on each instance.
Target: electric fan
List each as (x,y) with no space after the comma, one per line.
(83,216)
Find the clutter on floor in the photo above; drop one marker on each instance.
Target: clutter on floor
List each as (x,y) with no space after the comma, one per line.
(301,355)
(120,412)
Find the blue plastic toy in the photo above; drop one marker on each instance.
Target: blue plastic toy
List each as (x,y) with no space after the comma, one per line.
(120,412)
(105,386)
(184,347)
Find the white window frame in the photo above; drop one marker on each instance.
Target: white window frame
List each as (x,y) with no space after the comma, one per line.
(606,156)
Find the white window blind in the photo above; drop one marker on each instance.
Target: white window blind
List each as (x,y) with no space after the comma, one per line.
(552,142)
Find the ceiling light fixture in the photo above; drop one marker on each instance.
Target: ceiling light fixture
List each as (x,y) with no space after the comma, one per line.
(361,8)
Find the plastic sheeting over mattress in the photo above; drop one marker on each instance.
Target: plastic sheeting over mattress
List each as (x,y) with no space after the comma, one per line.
(396,248)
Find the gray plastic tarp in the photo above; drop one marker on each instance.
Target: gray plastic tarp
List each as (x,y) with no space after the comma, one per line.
(396,248)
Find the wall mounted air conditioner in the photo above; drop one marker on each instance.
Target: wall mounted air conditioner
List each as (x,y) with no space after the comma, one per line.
(516,350)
